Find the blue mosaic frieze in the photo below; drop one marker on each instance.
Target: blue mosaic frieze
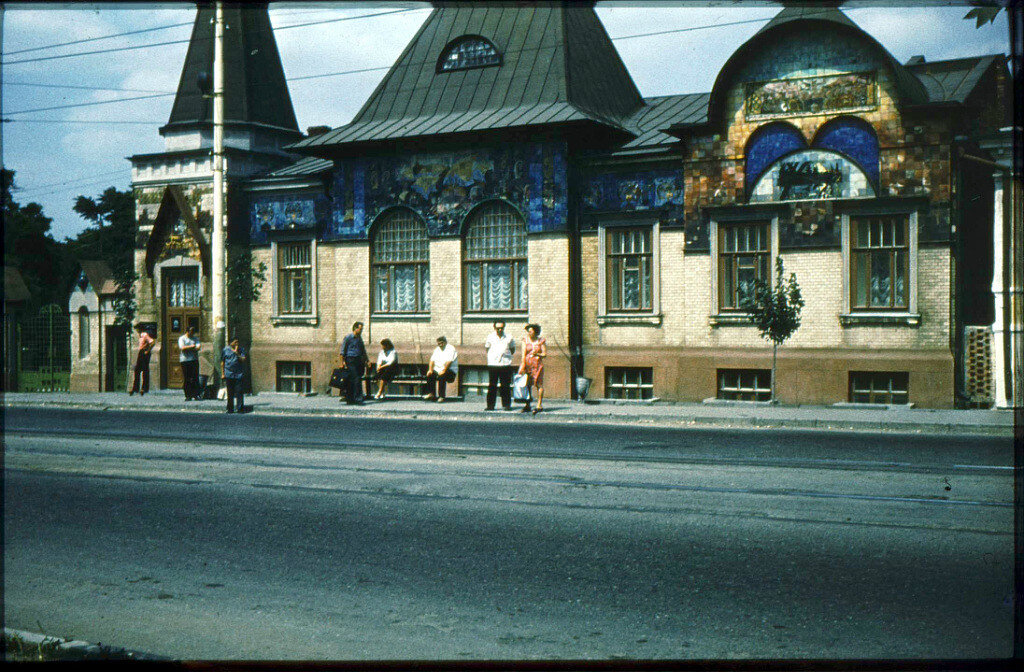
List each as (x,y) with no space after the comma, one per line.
(632,191)
(286,212)
(444,187)
(767,145)
(853,138)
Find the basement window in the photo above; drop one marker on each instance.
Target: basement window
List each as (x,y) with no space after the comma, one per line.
(628,383)
(879,387)
(745,384)
(473,381)
(294,377)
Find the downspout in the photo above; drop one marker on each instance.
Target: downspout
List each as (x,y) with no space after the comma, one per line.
(957,218)
(575,321)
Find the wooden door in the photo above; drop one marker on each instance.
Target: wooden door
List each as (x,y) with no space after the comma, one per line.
(180,310)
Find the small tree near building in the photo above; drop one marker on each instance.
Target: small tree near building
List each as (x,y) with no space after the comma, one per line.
(775,311)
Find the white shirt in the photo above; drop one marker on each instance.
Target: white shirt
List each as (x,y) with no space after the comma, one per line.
(187,355)
(499,349)
(386,358)
(442,357)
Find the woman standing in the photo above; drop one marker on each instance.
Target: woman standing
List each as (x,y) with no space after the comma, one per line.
(534,353)
(387,365)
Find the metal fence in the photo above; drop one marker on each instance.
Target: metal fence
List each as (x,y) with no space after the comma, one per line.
(44,351)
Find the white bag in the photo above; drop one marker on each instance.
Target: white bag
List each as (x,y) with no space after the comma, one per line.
(520,387)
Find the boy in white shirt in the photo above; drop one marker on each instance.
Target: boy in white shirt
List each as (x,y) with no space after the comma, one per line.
(500,348)
(443,367)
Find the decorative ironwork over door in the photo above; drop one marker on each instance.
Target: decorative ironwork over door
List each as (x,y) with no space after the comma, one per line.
(44,351)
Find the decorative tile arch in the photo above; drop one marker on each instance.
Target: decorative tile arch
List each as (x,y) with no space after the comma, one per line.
(767,145)
(854,138)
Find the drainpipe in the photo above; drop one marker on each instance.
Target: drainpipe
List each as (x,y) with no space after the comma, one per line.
(575,317)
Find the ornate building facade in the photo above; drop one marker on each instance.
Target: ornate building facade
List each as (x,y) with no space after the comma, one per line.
(507,168)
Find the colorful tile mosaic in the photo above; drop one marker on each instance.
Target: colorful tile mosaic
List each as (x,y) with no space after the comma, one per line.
(286,212)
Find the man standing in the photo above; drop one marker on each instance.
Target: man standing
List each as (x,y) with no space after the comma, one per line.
(142,361)
(189,346)
(353,363)
(232,369)
(442,369)
(500,348)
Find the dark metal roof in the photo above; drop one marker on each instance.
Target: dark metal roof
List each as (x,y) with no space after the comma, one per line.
(558,65)
(661,112)
(952,80)
(304,167)
(255,86)
(100,276)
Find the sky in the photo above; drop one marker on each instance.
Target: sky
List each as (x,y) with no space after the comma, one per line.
(59,154)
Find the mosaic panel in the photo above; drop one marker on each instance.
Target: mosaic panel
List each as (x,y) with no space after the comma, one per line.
(808,53)
(810,95)
(853,138)
(812,174)
(625,192)
(443,187)
(767,145)
(285,212)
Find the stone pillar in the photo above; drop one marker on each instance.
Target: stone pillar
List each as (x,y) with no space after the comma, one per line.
(998,292)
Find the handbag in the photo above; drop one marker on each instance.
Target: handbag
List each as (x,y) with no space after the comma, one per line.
(337,379)
(520,387)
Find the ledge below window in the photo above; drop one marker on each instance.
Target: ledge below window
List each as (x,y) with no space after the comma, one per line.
(399,317)
(495,317)
(730,319)
(880,319)
(294,320)
(654,319)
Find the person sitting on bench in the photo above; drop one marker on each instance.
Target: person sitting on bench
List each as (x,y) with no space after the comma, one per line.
(443,367)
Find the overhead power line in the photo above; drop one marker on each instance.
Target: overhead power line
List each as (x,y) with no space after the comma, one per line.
(72,181)
(81,121)
(79,86)
(169,42)
(89,104)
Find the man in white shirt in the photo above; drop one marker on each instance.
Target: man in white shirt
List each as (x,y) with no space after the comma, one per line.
(500,348)
(188,346)
(443,367)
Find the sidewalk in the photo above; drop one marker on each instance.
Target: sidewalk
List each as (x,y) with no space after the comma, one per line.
(668,414)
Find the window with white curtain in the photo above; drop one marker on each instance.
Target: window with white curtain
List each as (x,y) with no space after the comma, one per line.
(401,264)
(495,260)
(294,278)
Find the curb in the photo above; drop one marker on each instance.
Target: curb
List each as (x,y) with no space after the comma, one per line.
(77,649)
(605,420)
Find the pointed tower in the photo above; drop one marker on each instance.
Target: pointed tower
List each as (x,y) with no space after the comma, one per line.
(174,188)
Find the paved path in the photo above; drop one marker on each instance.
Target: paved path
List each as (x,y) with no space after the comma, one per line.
(984,422)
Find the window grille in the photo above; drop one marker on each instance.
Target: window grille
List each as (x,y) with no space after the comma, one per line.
(401,269)
(294,278)
(495,260)
(473,381)
(745,384)
(294,377)
(879,387)
(473,52)
(879,263)
(84,336)
(742,259)
(628,383)
(629,269)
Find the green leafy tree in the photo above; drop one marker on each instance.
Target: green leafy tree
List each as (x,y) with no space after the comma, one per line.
(775,311)
(29,247)
(245,279)
(111,238)
(983,14)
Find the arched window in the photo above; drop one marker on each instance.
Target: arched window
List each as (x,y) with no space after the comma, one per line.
(401,264)
(766,145)
(470,51)
(84,335)
(495,259)
(854,138)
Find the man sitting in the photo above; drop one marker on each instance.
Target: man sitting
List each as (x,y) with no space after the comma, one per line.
(442,369)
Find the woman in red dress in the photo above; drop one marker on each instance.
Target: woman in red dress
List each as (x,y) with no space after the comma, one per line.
(534,353)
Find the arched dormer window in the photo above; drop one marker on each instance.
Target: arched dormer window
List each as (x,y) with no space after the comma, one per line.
(467,52)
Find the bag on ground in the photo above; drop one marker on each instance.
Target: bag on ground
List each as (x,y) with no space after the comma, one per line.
(520,387)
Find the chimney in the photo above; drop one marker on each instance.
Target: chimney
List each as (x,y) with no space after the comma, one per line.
(313,131)
(916,60)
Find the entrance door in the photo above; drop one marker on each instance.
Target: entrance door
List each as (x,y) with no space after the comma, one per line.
(181,310)
(117,358)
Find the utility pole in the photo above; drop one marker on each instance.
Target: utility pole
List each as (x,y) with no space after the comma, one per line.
(217,247)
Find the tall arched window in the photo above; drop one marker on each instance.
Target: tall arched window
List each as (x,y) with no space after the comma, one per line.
(495,259)
(401,264)
(84,335)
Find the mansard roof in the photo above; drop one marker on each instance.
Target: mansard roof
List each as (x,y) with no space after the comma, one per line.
(256,91)
(557,64)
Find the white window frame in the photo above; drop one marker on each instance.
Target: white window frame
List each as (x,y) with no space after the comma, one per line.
(715,316)
(910,316)
(652,316)
(641,387)
(422,271)
(293,318)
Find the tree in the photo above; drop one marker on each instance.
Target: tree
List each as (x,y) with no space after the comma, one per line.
(775,311)
(29,246)
(111,239)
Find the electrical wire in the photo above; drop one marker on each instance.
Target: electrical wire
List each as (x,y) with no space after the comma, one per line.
(78,86)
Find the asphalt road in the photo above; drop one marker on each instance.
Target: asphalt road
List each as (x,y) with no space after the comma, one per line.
(368,539)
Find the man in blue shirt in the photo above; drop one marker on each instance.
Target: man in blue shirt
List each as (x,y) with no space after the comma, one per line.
(353,363)
(232,369)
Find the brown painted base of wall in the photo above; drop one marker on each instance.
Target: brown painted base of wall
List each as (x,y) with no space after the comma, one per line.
(803,376)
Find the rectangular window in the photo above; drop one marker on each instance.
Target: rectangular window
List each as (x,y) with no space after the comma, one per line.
(629,278)
(742,259)
(294,377)
(473,381)
(745,384)
(628,383)
(294,278)
(879,263)
(879,387)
